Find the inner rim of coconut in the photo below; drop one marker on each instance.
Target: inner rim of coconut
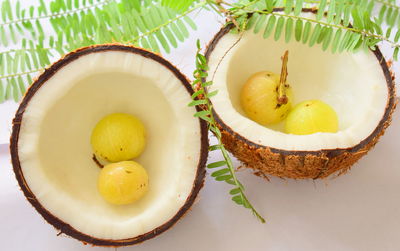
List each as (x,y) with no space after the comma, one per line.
(354,84)
(55,152)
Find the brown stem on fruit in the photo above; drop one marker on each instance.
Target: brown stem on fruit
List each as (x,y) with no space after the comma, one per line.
(282,98)
(97,161)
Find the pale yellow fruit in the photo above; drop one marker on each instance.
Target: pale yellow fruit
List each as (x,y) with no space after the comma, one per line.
(118,137)
(310,117)
(259,98)
(123,182)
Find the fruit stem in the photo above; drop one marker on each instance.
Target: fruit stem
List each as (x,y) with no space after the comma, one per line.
(97,161)
(282,98)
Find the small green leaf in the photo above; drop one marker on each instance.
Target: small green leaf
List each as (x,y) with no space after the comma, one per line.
(220,172)
(198,102)
(396,54)
(397,36)
(306,33)
(144,43)
(197,93)
(252,21)
(388,15)
(327,39)
(171,38)
(336,40)
(214,148)
(347,14)
(183,28)
(357,21)
(270,26)
(21,85)
(344,41)
(14,89)
(321,9)
(212,94)
(279,28)
(298,30)
(202,113)
(331,11)
(3,39)
(190,22)
(223,177)
(270,5)
(382,14)
(216,131)
(260,23)
(217,164)
(31,11)
(235,191)
(288,6)
(288,30)
(230,182)
(298,7)
(389,32)
(315,35)
(339,11)
(238,199)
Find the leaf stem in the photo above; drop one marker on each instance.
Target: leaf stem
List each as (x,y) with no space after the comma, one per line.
(20,74)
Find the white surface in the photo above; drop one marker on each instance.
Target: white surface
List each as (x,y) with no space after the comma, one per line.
(358,211)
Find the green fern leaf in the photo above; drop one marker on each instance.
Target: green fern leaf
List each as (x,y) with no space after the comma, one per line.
(306,32)
(260,23)
(288,6)
(315,35)
(321,9)
(396,54)
(288,30)
(279,28)
(336,40)
(270,26)
(298,7)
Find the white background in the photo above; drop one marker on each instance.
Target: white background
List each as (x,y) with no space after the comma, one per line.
(357,211)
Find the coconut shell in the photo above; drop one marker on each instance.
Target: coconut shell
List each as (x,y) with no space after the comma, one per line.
(265,160)
(63,227)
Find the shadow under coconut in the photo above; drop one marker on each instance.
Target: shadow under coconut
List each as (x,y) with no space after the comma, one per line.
(355,211)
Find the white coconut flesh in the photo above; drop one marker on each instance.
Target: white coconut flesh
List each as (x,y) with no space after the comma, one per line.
(352,83)
(55,151)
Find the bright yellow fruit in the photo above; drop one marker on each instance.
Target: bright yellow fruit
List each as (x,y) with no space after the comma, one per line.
(310,117)
(123,182)
(118,137)
(259,98)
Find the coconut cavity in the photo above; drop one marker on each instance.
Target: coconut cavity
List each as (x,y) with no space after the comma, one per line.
(52,150)
(354,85)
(358,87)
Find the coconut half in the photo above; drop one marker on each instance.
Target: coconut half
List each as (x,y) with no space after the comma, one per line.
(358,86)
(52,155)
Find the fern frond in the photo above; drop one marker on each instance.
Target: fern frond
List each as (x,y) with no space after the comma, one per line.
(325,29)
(144,24)
(222,170)
(30,20)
